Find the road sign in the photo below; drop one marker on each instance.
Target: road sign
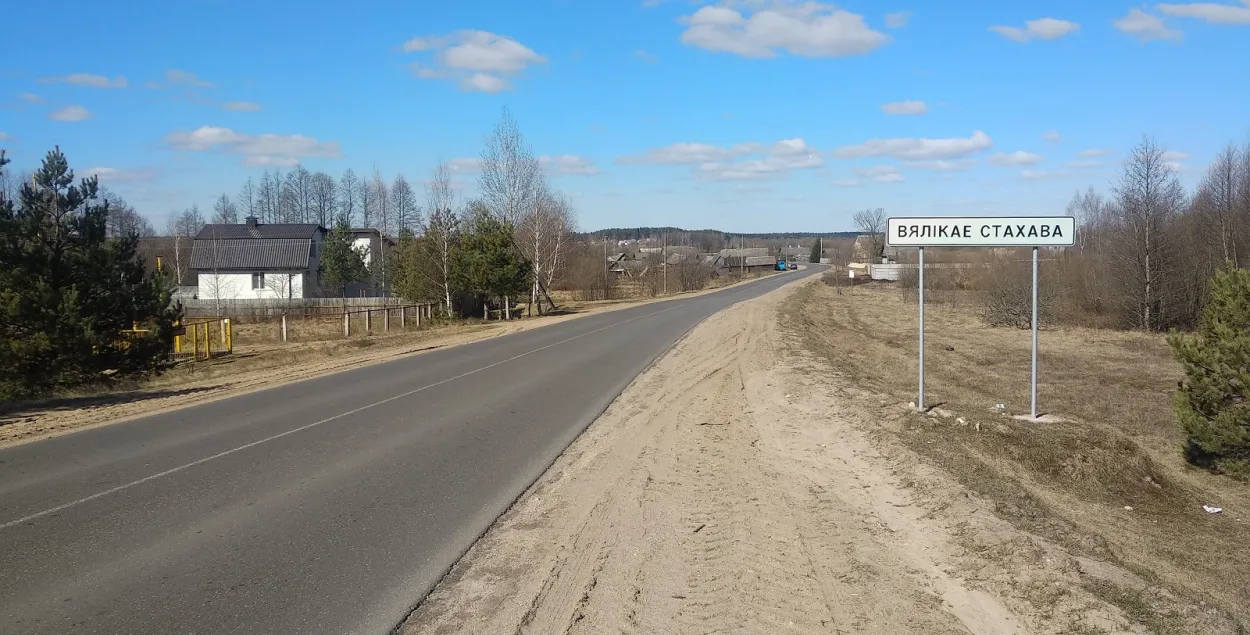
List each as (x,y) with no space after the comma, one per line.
(981,231)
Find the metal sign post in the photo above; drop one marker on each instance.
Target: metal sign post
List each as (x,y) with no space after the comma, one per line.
(980,231)
(1033,381)
(920,288)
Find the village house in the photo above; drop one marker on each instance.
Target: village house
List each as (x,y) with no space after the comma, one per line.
(253,260)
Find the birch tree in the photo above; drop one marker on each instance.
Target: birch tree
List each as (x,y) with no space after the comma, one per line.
(511,176)
(1219,193)
(349,197)
(380,197)
(1147,199)
(364,196)
(439,233)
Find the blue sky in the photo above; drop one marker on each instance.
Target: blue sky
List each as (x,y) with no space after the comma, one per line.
(743,115)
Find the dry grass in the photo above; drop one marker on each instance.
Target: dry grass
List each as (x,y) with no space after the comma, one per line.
(1069,482)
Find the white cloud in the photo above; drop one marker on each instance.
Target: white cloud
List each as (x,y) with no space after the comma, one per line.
(941,166)
(483,83)
(883,174)
(464,165)
(897,20)
(569,164)
(86,79)
(182,78)
(917,149)
(1037,175)
(846,182)
(480,60)
(1093,152)
(782,156)
(1015,159)
(1145,27)
(1172,159)
(244,106)
(1040,29)
(115,175)
(1052,136)
(256,150)
(1209,11)
(70,113)
(691,154)
(808,29)
(905,108)
(30,98)
(645,56)
(720,163)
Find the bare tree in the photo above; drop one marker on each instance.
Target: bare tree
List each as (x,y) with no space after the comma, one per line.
(871,222)
(122,219)
(324,198)
(511,176)
(1218,194)
(1148,198)
(404,203)
(364,194)
(224,210)
(182,228)
(216,285)
(383,209)
(245,201)
(439,232)
(348,196)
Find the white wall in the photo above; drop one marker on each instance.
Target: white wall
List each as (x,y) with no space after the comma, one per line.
(238,286)
(363,245)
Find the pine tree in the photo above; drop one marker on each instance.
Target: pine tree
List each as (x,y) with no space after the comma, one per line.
(341,263)
(68,291)
(488,263)
(1213,402)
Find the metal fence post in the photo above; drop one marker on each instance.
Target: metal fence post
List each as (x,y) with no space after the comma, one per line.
(347,324)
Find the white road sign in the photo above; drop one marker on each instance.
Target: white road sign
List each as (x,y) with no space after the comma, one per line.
(981,231)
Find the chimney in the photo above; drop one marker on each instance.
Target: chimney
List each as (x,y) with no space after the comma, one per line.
(250,221)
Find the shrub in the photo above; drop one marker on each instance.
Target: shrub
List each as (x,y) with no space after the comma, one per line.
(1213,402)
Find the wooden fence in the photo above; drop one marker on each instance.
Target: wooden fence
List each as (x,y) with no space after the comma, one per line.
(275,307)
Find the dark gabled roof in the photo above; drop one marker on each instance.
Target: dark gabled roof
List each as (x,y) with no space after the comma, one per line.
(277,230)
(251,253)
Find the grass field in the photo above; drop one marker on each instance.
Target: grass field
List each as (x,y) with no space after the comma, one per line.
(1109,482)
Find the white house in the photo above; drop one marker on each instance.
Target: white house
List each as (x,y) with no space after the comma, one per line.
(373,245)
(254,260)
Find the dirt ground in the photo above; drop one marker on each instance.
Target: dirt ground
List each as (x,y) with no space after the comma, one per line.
(260,361)
(744,484)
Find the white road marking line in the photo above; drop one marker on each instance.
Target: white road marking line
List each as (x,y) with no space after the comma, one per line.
(275,437)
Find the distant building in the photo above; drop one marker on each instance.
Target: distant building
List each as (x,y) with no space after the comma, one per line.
(252,260)
(374,245)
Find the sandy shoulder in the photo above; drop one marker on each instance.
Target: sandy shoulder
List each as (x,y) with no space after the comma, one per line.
(731,488)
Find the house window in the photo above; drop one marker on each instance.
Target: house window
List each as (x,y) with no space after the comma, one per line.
(258,280)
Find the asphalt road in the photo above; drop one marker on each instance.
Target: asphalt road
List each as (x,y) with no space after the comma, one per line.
(330,505)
